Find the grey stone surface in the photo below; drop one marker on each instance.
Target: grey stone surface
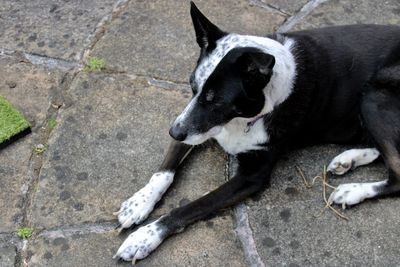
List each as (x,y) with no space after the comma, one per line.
(198,246)
(76,250)
(288,229)
(53,28)
(156,38)
(7,256)
(106,147)
(109,142)
(112,133)
(286,6)
(341,12)
(28,89)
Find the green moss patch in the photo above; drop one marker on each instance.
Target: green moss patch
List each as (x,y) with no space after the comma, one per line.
(25,233)
(11,121)
(95,65)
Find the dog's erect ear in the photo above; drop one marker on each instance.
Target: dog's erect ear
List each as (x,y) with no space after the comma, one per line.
(256,68)
(252,62)
(206,32)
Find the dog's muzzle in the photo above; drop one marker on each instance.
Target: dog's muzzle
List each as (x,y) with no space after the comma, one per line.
(178,132)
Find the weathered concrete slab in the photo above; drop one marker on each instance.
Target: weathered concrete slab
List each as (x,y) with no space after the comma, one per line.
(107,145)
(289,232)
(195,247)
(76,250)
(28,88)
(156,38)
(341,12)
(53,28)
(7,256)
(285,6)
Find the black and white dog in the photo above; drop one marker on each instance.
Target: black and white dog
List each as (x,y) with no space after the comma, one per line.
(260,97)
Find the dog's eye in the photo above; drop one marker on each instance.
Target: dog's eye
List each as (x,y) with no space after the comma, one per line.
(210,96)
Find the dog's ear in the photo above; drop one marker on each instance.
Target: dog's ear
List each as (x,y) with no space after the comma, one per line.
(256,68)
(206,33)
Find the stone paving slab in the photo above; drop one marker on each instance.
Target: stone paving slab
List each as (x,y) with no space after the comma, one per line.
(105,148)
(288,231)
(7,256)
(156,38)
(198,246)
(28,88)
(292,235)
(56,29)
(342,12)
(287,6)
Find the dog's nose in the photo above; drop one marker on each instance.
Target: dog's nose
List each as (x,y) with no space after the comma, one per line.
(178,132)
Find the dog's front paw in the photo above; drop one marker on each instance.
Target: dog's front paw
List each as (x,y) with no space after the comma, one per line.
(142,242)
(137,208)
(340,164)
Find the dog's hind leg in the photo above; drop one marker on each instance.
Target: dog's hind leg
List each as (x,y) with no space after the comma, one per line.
(350,159)
(138,207)
(380,109)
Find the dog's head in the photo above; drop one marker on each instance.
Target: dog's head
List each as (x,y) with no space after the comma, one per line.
(228,82)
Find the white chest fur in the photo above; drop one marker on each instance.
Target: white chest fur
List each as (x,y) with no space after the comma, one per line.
(235,137)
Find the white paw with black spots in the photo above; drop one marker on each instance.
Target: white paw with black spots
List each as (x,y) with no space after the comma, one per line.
(137,208)
(141,243)
(352,158)
(354,193)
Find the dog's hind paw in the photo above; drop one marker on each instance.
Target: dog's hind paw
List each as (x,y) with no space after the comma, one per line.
(340,164)
(354,193)
(137,208)
(351,159)
(141,243)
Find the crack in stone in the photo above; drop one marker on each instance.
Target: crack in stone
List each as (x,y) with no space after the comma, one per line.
(11,239)
(41,60)
(52,63)
(101,28)
(245,235)
(42,137)
(300,15)
(242,226)
(169,85)
(83,229)
(269,7)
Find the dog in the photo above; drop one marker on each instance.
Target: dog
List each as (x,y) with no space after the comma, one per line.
(260,97)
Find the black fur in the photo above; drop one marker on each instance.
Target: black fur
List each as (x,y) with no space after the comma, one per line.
(347,90)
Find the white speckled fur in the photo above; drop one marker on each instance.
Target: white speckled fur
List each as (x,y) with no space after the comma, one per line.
(181,118)
(196,139)
(284,72)
(234,137)
(137,208)
(354,193)
(351,159)
(141,243)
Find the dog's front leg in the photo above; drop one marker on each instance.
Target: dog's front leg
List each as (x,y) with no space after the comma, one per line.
(253,175)
(137,208)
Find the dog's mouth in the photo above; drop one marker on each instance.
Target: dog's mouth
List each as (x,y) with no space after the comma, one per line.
(199,138)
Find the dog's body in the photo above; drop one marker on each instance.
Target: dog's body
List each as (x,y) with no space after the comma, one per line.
(260,97)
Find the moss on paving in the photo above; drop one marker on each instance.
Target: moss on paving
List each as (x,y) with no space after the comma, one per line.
(11,121)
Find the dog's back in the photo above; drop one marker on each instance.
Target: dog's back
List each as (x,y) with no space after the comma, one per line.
(333,66)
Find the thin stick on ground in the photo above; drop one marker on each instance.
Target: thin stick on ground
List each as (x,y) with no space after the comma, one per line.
(324,185)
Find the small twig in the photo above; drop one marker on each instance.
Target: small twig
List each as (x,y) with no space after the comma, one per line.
(304,178)
(324,185)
